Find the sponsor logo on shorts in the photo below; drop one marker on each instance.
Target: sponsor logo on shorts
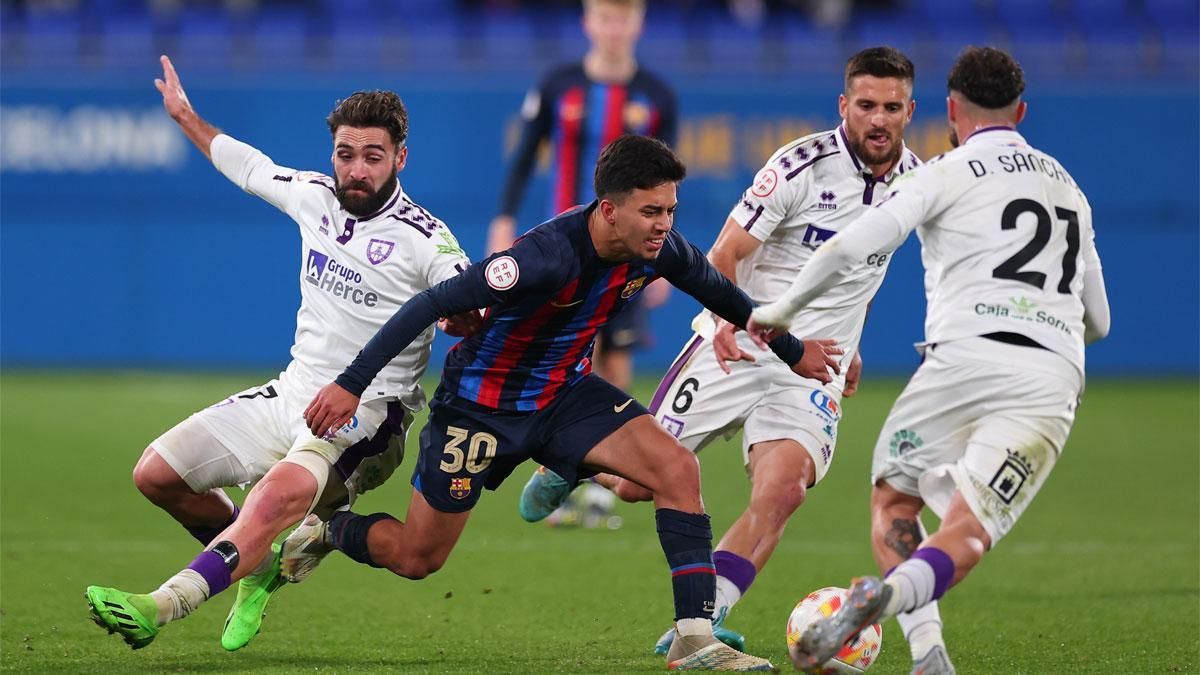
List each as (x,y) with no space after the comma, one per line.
(460,488)
(903,441)
(327,274)
(632,287)
(830,431)
(621,408)
(673,425)
(1012,474)
(502,273)
(825,405)
(826,452)
(378,250)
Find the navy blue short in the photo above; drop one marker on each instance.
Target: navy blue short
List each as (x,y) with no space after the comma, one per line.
(466,447)
(627,330)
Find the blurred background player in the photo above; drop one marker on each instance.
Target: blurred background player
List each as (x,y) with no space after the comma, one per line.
(1004,230)
(520,388)
(806,193)
(350,283)
(579,108)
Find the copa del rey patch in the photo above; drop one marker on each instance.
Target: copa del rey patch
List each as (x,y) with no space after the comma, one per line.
(502,273)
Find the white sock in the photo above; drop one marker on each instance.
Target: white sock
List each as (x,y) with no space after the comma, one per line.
(179,595)
(727,596)
(693,627)
(922,629)
(912,586)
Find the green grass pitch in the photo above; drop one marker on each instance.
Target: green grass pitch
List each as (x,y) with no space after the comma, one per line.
(1102,574)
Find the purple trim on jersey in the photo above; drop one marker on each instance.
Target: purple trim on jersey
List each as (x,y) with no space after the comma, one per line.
(846,145)
(869,190)
(669,379)
(428,234)
(807,164)
(754,218)
(325,185)
(986,129)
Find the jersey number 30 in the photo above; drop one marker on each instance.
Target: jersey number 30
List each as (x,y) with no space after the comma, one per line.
(1011,268)
(482,443)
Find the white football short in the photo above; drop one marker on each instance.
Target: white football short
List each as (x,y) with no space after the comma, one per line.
(698,403)
(982,417)
(237,440)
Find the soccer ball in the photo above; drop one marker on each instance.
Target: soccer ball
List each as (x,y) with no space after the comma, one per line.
(857,655)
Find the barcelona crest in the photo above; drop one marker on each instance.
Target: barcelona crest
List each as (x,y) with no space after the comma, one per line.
(460,488)
(632,287)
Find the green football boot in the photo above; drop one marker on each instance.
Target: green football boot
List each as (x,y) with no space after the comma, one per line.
(246,615)
(131,615)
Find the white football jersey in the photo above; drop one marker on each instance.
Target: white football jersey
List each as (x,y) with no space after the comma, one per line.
(1006,236)
(355,273)
(808,191)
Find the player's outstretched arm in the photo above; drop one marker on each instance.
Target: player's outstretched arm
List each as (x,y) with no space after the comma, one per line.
(180,109)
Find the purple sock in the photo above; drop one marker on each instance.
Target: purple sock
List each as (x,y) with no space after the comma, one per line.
(205,535)
(211,565)
(943,568)
(735,568)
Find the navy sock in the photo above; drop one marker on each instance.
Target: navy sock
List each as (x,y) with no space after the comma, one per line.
(349,533)
(205,535)
(686,538)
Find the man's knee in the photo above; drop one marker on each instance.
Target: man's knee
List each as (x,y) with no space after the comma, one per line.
(628,491)
(156,479)
(679,472)
(781,478)
(281,498)
(779,493)
(896,519)
(411,564)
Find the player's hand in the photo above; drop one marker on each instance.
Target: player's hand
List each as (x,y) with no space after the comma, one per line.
(331,408)
(762,334)
(819,357)
(501,234)
(853,375)
(461,325)
(656,293)
(725,346)
(175,100)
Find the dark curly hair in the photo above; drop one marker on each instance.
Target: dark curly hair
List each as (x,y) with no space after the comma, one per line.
(987,76)
(638,162)
(372,109)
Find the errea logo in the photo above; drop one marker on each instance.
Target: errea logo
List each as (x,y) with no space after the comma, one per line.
(827,202)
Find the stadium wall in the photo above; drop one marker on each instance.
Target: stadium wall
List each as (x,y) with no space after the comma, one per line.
(121,246)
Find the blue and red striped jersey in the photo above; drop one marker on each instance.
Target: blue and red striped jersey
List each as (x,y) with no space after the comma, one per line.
(545,298)
(579,116)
